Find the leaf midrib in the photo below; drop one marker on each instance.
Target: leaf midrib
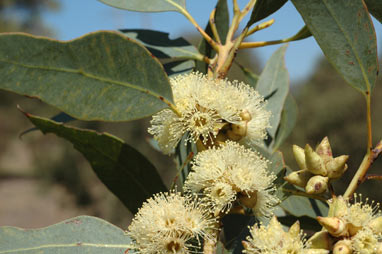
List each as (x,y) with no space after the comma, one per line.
(85,74)
(351,45)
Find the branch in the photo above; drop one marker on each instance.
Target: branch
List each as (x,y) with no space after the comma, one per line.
(213,26)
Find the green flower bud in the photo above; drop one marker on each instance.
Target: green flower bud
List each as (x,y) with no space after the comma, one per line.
(338,207)
(335,226)
(324,149)
(317,185)
(321,240)
(376,225)
(314,162)
(294,230)
(299,178)
(343,247)
(337,166)
(299,155)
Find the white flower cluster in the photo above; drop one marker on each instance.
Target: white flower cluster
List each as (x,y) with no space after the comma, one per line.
(211,110)
(168,223)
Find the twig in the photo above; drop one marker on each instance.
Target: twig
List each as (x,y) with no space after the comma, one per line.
(213,26)
(260,27)
(188,159)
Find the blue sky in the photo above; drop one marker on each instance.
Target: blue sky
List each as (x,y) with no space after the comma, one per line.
(78,17)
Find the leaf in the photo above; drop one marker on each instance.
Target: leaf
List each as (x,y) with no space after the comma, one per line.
(302,206)
(177,51)
(346,35)
(375,8)
(222,26)
(83,234)
(287,122)
(101,76)
(303,33)
(147,5)
(250,77)
(126,172)
(264,8)
(273,84)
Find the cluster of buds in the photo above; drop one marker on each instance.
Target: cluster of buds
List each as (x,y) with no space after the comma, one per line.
(317,167)
(350,228)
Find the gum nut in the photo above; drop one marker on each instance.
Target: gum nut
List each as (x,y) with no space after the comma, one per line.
(338,207)
(337,166)
(353,229)
(376,225)
(299,155)
(237,131)
(324,149)
(314,162)
(316,251)
(294,230)
(321,240)
(249,200)
(317,185)
(299,178)
(343,247)
(336,227)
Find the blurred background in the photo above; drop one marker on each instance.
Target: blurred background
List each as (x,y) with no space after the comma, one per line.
(43,180)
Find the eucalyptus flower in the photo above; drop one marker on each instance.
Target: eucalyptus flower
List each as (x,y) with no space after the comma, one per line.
(170,223)
(211,111)
(232,172)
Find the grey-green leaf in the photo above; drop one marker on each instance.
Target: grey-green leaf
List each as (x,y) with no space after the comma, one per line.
(302,206)
(273,84)
(375,8)
(264,8)
(287,121)
(177,55)
(346,35)
(83,234)
(125,171)
(222,25)
(100,76)
(147,5)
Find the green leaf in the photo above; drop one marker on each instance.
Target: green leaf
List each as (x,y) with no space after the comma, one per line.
(264,8)
(303,33)
(222,26)
(287,121)
(126,172)
(302,206)
(147,5)
(250,77)
(101,76)
(83,234)
(375,8)
(273,84)
(178,55)
(346,35)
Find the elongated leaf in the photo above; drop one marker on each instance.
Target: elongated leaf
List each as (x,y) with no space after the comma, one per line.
(83,234)
(177,51)
(222,25)
(273,84)
(345,33)
(303,33)
(101,76)
(126,172)
(287,121)
(302,206)
(375,8)
(147,5)
(264,8)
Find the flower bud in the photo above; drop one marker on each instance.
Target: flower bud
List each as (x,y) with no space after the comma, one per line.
(299,178)
(321,240)
(294,230)
(336,227)
(338,207)
(324,149)
(299,155)
(314,162)
(245,116)
(343,247)
(337,166)
(376,225)
(317,185)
